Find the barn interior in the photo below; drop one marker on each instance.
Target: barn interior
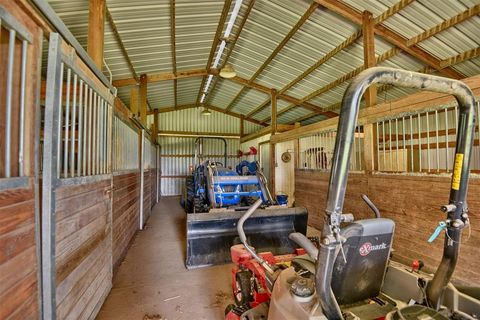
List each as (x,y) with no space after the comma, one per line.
(182,159)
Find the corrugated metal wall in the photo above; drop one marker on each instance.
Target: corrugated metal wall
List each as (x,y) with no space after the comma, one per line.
(192,120)
(178,152)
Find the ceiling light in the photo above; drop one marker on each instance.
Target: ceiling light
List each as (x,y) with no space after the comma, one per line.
(228,72)
(206,112)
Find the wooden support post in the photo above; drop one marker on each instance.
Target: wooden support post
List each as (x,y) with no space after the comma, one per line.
(142,92)
(155,125)
(273,168)
(274,111)
(96,31)
(369,147)
(242,128)
(368,28)
(134,100)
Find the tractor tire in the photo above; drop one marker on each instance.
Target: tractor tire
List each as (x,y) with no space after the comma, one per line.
(190,194)
(199,205)
(242,292)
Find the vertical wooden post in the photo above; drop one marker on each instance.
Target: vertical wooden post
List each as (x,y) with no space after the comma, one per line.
(142,92)
(369,147)
(134,100)
(155,125)
(273,167)
(369,54)
(96,31)
(242,128)
(274,111)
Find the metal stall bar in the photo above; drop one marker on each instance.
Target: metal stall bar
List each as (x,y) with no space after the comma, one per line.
(22,108)
(419,132)
(428,141)
(59,129)
(396,144)
(80,129)
(404,157)
(50,175)
(378,146)
(67,124)
(437,141)
(411,144)
(74,126)
(8,103)
(447,133)
(142,177)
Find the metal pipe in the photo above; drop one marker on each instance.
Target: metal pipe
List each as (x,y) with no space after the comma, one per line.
(8,103)
(59,129)
(305,243)
(447,132)
(67,124)
(243,237)
(419,143)
(74,125)
(396,144)
(339,172)
(80,129)
(89,128)
(21,160)
(411,144)
(437,141)
(404,159)
(378,147)
(428,142)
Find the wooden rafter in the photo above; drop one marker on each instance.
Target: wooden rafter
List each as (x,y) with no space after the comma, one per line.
(231,46)
(279,47)
(173,48)
(164,76)
(264,89)
(445,25)
(380,89)
(394,38)
(350,40)
(135,78)
(461,57)
(210,107)
(324,59)
(96,31)
(369,60)
(218,33)
(387,55)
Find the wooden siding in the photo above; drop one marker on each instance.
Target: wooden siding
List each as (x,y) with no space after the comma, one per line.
(125,214)
(83,249)
(18,256)
(413,202)
(153,183)
(147,195)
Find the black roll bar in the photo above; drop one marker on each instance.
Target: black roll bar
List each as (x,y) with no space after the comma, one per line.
(341,158)
(200,139)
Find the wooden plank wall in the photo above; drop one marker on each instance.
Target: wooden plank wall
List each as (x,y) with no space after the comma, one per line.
(125,214)
(147,195)
(412,202)
(83,249)
(18,258)
(153,184)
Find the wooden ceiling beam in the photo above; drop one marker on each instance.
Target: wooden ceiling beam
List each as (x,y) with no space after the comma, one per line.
(230,47)
(96,31)
(387,55)
(461,57)
(164,76)
(135,78)
(369,59)
(394,38)
(173,48)
(216,39)
(267,90)
(380,89)
(350,40)
(444,25)
(210,107)
(279,47)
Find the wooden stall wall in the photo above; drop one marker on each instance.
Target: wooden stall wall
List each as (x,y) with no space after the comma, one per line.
(147,195)
(19,264)
(83,248)
(153,187)
(125,213)
(413,202)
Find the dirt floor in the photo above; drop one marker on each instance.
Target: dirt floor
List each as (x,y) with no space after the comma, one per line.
(153,283)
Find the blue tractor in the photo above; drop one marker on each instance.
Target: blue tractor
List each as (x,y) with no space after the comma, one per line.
(217,196)
(212,185)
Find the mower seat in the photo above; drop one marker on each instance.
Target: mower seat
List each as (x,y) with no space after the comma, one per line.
(367,250)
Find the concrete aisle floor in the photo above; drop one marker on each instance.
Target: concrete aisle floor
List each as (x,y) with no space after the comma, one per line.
(152,279)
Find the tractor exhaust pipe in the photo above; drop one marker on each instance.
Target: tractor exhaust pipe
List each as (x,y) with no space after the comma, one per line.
(341,158)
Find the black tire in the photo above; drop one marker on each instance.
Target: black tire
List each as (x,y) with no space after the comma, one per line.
(200,205)
(242,292)
(190,190)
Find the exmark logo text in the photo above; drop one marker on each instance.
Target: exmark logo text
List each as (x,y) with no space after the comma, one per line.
(367,247)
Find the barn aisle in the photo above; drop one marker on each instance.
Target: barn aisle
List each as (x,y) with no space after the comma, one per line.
(152,282)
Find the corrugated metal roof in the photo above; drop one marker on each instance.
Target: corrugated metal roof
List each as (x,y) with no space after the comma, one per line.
(144,27)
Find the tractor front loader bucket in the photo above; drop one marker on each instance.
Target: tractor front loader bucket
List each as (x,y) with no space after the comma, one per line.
(210,235)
